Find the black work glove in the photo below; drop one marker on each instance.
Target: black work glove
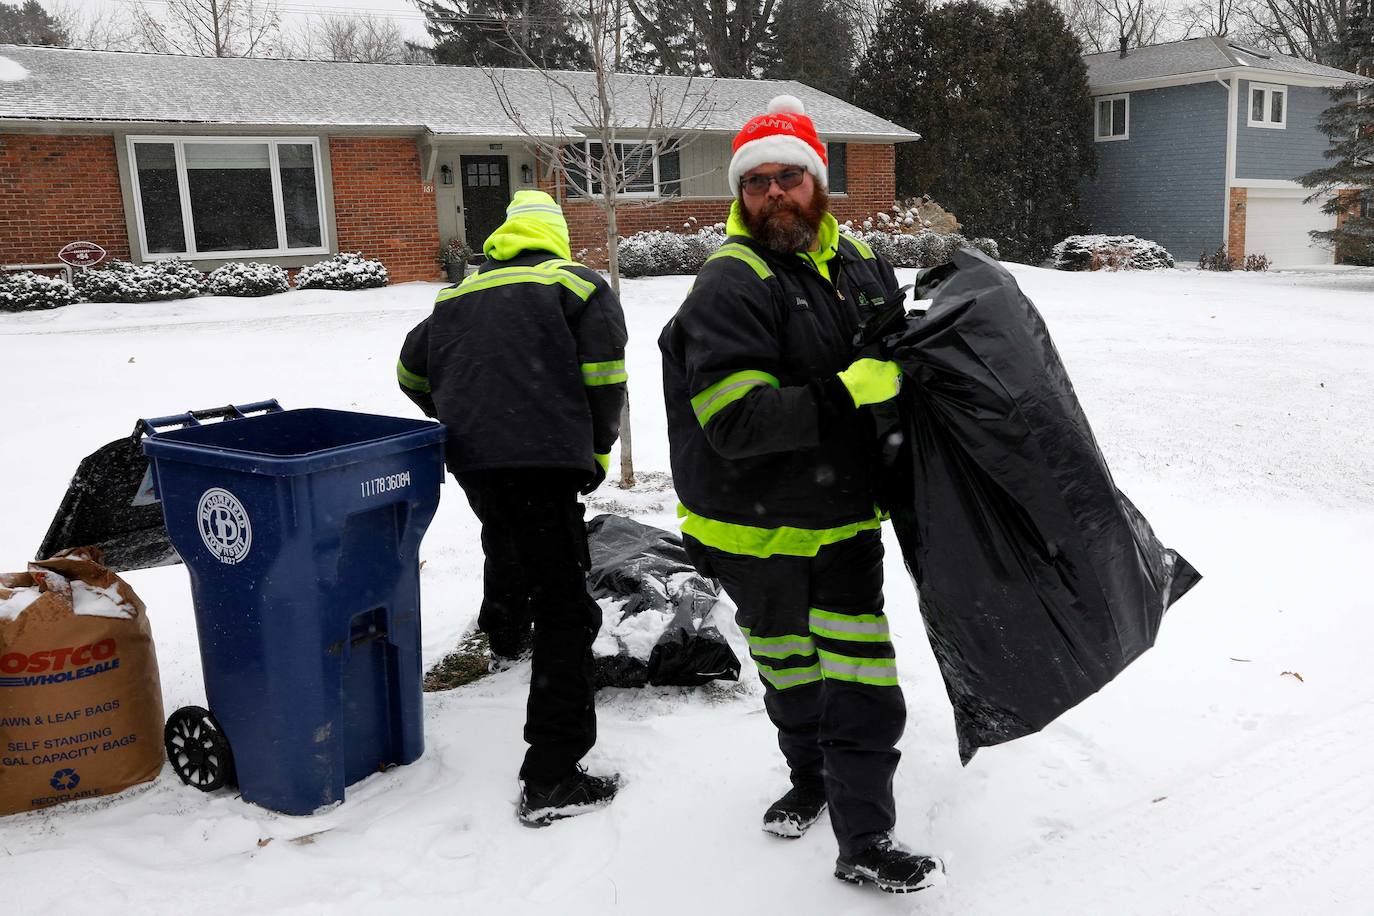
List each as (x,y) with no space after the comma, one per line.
(603,462)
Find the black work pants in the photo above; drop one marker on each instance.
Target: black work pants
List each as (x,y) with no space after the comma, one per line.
(818,636)
(536,559)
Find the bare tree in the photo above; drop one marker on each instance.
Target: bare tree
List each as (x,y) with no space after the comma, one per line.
(1133,23)
(1313,30)
(211,28)
(99,29)
(1088,24)
(1111,25)
(366,39)
(865,15)
(603,132)
(1206,17)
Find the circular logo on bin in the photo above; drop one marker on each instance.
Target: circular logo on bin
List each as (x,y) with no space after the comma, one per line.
(224,525)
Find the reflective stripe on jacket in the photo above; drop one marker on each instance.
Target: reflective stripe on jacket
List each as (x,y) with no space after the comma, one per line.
(524,361)
(768,453)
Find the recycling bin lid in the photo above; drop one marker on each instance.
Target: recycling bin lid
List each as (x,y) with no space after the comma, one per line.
(294,442)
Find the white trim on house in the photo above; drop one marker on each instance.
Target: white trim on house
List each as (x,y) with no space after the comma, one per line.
(190,252)
(1097,117)
(1266,107)
(1203,76)
(1272,184)
(1232,86)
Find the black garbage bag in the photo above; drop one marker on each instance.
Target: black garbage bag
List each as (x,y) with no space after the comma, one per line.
(1039,581)
(111,503)
(666,603)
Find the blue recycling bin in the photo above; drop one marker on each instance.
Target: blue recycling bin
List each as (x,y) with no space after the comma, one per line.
(301,532)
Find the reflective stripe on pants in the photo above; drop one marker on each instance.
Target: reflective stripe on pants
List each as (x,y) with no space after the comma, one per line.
(819,638)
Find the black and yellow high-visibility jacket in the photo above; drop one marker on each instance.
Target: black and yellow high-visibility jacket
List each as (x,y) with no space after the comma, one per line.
(769,454)
(524,361)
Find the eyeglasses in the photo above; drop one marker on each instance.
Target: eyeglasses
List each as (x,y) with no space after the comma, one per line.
(787,179)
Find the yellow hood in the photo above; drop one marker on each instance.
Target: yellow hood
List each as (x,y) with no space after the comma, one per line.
(534,222)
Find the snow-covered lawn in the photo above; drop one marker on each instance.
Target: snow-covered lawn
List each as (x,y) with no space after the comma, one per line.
(1235,410)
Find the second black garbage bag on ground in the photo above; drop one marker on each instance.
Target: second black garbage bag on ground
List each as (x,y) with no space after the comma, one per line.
(1039,581)
(658,628)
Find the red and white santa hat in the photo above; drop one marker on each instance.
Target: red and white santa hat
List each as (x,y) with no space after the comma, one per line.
(784,135)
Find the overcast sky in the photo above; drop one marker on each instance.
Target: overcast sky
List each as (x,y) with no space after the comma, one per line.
(295,13)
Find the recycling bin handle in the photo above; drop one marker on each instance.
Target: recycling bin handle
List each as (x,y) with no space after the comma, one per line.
(148,427)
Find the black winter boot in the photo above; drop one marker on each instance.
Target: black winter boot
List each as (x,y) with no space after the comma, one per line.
(580,793)
(510,652)
(789,816)
(891,867)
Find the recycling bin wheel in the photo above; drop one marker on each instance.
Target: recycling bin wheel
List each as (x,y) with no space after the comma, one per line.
(198,750)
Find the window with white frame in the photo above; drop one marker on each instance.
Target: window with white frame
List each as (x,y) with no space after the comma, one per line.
(228,196)
(1268,105)
(1113,117)
(645,169)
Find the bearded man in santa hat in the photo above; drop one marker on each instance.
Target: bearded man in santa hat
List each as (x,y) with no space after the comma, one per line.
(773,457)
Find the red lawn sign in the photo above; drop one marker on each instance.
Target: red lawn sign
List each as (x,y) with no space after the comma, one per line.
(82,254)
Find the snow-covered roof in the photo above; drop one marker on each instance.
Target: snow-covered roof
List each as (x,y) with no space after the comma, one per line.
(1202,56)
(117,86)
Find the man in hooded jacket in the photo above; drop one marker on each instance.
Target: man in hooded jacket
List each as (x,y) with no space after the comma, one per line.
(524,362)
(772,454)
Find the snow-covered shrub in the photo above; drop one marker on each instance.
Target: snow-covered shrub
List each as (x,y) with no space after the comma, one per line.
(346,270)
(701,244)
(177,279)
(120,281)
(652,254)
(1216,260)
(919,249)
(1221,260)
(916,232)
(251,279)
(987,247)
(1109,252)
(27,291)
(657,253)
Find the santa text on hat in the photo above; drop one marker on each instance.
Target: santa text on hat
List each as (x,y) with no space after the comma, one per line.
(778,176)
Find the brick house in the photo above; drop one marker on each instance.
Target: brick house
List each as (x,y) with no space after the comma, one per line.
(214,160)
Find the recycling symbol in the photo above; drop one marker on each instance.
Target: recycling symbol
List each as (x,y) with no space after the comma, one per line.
(64,780)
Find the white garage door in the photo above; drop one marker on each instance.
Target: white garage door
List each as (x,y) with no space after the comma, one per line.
(1277,225)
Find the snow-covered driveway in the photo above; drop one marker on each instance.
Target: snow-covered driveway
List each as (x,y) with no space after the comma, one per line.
(1235,410)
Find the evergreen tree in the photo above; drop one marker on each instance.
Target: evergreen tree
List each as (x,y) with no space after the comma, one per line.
(815,45)
(1349,123)
(500,33)
(937,71)
(673,52)
(30,24)
(1052,112)
(722,38)
(1001,102)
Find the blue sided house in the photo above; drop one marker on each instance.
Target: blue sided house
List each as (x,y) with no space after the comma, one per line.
(1200,143)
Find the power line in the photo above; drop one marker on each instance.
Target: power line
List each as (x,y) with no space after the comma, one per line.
(417,16)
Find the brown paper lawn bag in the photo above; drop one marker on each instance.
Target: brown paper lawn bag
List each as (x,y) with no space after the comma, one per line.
(80,699)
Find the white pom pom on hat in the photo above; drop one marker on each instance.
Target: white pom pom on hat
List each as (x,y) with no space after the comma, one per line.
(788,103)
(784,134)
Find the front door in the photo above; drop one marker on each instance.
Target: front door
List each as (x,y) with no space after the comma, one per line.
(486,192)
